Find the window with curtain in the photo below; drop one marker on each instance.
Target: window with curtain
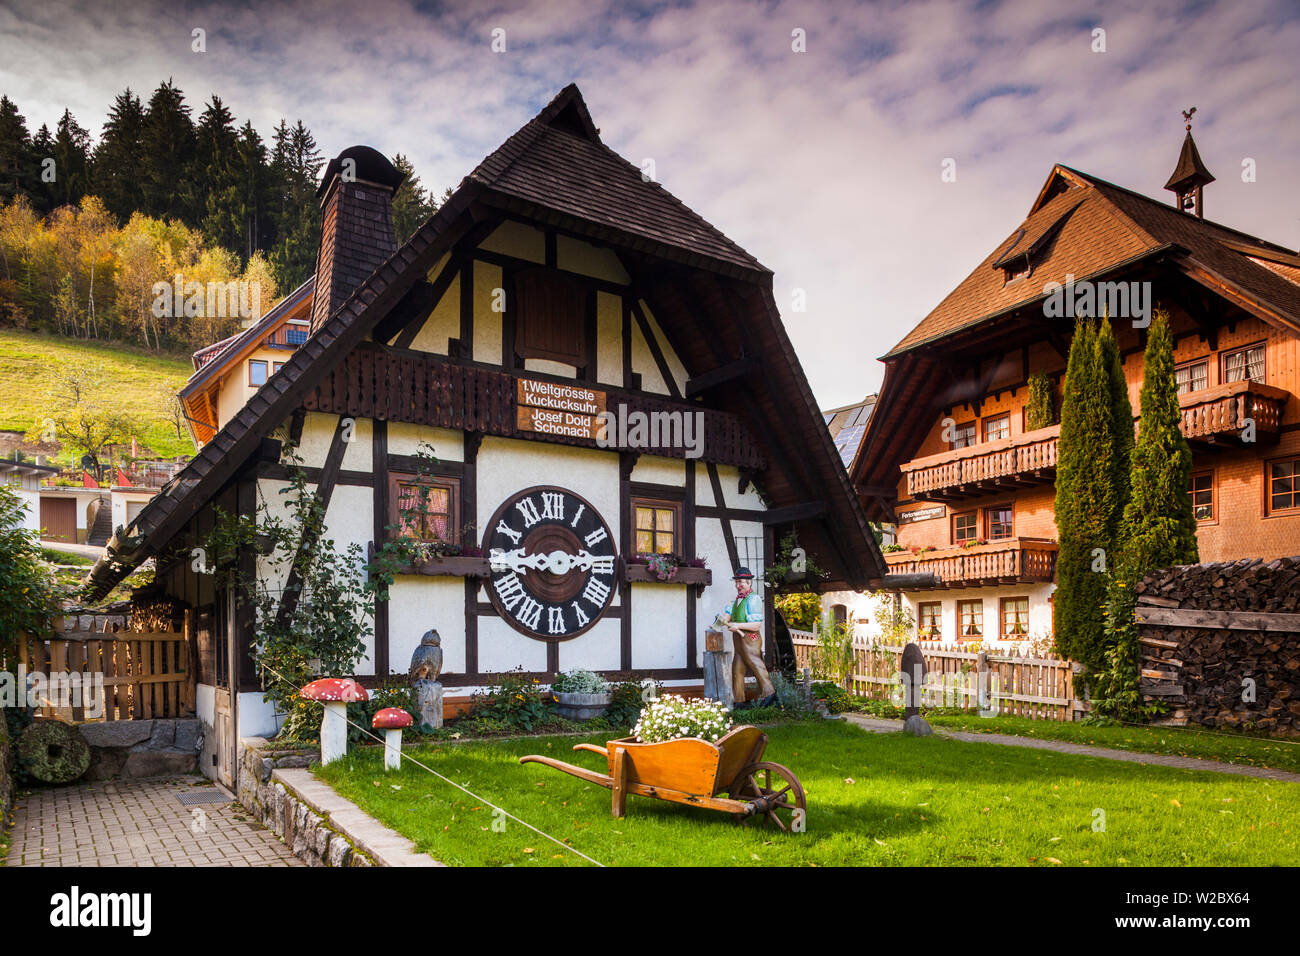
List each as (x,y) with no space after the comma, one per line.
(970,619)
(425,508)
(999,426)
(1192,378)
(963,436)
(1015,617)
(1244,365)
(929,620)
(998,523)
(656,524)
(1284,484)
(1202,492)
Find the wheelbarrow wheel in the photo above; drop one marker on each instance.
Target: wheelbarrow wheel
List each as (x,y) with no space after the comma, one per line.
(776,792)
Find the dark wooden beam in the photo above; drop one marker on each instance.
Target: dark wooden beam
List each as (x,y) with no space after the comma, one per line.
(720,376)
(379,459)
(791,513)
(417,303)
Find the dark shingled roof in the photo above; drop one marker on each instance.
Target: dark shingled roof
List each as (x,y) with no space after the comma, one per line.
(557,161)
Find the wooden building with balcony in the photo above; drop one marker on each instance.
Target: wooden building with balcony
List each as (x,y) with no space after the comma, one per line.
(949,456)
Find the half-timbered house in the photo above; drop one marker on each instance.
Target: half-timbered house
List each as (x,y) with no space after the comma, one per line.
(554,283)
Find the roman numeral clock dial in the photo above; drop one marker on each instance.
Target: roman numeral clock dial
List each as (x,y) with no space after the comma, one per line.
(552,558)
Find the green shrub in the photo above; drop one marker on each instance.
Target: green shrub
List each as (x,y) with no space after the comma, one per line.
(625,703)
(362,713)
(518,702)
(837,699)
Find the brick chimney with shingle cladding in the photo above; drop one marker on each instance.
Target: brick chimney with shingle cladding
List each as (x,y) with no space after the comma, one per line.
(356,235)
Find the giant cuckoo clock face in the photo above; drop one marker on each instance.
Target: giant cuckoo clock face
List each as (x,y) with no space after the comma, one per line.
(552,562)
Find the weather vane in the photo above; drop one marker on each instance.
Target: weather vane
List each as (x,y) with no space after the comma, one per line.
(1187,117)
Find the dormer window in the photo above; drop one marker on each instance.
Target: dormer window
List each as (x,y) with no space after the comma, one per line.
(1016,269)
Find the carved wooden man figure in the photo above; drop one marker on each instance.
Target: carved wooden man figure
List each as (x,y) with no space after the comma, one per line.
(744,618)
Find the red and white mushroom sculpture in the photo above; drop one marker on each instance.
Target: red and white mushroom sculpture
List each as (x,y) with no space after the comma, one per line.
(391,720)
(335,693)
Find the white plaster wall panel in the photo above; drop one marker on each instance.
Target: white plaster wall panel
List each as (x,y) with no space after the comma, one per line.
(703,487)
(350,520)
(506,466)
(272,504)
(517,239)
(443,322)
(574,255)
(547,367)
(659,626)
(596,650)
(256,716)
(675,365)
(660,471)
(31,515)
(644,363)
(405,439)
(417,604)
(729,478)
(205,703)
(712,546)
(314,443)
(487,324)
(609,339)
(502,648)
(750,549)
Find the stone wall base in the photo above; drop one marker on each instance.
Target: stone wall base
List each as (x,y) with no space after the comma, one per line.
(317,824)
(141,748)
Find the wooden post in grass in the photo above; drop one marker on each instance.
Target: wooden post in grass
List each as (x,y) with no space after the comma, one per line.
(717,667)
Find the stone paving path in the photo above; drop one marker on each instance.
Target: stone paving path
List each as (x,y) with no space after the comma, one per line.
(138,823)
(881,725)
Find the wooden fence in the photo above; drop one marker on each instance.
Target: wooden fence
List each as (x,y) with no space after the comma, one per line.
(89,674)
(1020,685)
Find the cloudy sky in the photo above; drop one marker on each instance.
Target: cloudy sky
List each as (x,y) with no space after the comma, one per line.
(825,164)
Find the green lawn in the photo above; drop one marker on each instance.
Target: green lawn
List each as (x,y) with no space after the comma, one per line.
(873,800)
(1226,747)
(31,365)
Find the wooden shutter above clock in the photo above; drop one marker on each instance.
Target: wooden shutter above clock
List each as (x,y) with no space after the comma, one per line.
(550,313)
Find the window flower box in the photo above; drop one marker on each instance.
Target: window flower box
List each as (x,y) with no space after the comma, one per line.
(697,577)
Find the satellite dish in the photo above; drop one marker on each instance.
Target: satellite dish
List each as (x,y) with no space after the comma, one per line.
(88,461)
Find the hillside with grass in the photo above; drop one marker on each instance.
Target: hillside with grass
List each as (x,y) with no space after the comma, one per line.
(33,368)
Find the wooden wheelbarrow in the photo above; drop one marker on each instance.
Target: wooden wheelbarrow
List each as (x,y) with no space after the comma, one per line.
(697,773)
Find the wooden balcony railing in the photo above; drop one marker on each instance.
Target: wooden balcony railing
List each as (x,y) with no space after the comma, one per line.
(1027,459)
(1014,561)
(1211,418)
(391,385)
(1219,415)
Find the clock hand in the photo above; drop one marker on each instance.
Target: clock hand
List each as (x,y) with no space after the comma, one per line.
(557,562)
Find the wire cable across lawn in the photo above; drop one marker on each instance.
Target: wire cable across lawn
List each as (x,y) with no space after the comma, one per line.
(502,810)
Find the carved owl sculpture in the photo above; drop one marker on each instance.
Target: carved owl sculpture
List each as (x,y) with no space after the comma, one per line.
(426,661)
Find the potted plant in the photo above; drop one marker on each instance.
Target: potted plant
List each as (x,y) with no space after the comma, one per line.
(672,717)
(581,694)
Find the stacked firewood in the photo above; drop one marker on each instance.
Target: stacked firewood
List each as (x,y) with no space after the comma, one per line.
(1221,643)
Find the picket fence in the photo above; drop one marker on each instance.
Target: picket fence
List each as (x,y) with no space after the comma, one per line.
(1021,685)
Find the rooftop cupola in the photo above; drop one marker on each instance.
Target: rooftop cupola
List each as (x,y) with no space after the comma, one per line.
(1190,175)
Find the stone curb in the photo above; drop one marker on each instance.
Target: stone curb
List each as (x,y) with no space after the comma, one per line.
(384,846)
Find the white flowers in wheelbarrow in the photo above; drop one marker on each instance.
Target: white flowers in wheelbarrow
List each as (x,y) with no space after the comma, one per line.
(670,717)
